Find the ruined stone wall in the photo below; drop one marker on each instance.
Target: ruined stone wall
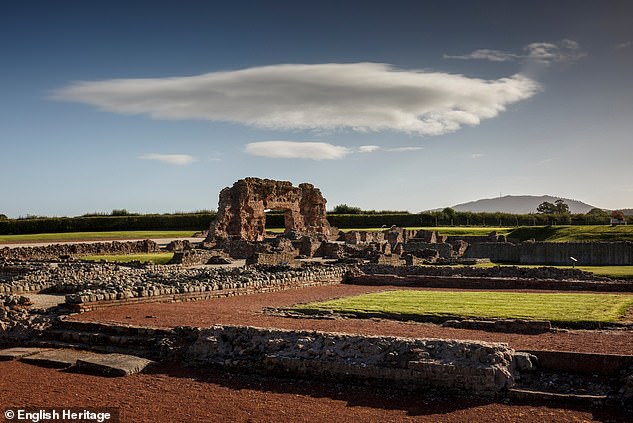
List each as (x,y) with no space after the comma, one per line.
(275,259)
(195,257)
(484,272)
(241,209)
(556,253)
(101,281)
(55,251)
(445,250)
(462,366)
(20,324)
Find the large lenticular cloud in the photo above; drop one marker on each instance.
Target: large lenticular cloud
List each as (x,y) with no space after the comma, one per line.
(356,96)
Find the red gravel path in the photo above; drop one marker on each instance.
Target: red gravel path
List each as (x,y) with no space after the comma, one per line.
(247,310)
(173,394)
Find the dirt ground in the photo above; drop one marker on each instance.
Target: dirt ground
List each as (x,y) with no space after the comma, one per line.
(169,392)
(247,310)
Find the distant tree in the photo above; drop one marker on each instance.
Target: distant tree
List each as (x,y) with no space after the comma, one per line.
(561,207)
(596,212)
(558,207)
(119,212)
(3,216)
(345,209)
(450,213)
(617,214)
(546,208)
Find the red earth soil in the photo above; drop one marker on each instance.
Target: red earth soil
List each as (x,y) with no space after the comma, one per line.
(170,393)
(247,310)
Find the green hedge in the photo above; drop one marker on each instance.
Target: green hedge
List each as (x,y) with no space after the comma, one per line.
(200,221)
(193,221)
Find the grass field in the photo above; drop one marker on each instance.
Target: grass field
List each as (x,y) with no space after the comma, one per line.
(573,233)
(524,233)
(561,309)
(444,230)
(86,236)
(156,258)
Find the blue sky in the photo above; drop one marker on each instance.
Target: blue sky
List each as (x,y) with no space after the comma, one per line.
(156,106)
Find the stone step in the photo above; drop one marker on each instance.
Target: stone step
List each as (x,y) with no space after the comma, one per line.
(542,396)
(9,354)
(95,338)
(105,349)
(61,358)
(104,328)
(114,364)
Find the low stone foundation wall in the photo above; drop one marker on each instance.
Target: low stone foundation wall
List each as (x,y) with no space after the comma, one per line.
(55,251)
(209,284)
(193,257)
(274,259)
(556,253)
(460,366)
(489,272)
(467,282)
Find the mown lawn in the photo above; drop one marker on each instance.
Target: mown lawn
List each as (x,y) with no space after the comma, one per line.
(573,233)
(85,236)
(444,230)
(156,258)
(562,309)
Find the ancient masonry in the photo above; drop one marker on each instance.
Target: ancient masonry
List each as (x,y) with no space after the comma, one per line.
(241,210)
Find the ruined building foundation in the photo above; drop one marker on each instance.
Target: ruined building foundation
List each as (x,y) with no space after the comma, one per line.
(241,209)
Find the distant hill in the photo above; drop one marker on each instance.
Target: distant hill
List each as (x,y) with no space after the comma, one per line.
(519,204)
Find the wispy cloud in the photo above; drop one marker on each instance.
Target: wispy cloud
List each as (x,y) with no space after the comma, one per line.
(485,54)
(544,161)
(355,96)
(313,150)
(625,44)
(172,159)
(368,148)
(402,149)
(477,155)
(297,150)
(564,51)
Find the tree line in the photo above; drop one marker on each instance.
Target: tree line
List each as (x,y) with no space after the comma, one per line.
(340,217)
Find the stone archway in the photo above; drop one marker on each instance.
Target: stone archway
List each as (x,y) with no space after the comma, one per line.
(241,209)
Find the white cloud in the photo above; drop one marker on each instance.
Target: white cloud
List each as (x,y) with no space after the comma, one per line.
(477,155)
(564,51)
(368,148)
(402,149)
(625,44)
(296,150)
(356,96)
(173,159)
(486,54)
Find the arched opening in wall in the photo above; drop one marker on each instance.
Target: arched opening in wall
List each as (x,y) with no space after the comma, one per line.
(280,218)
